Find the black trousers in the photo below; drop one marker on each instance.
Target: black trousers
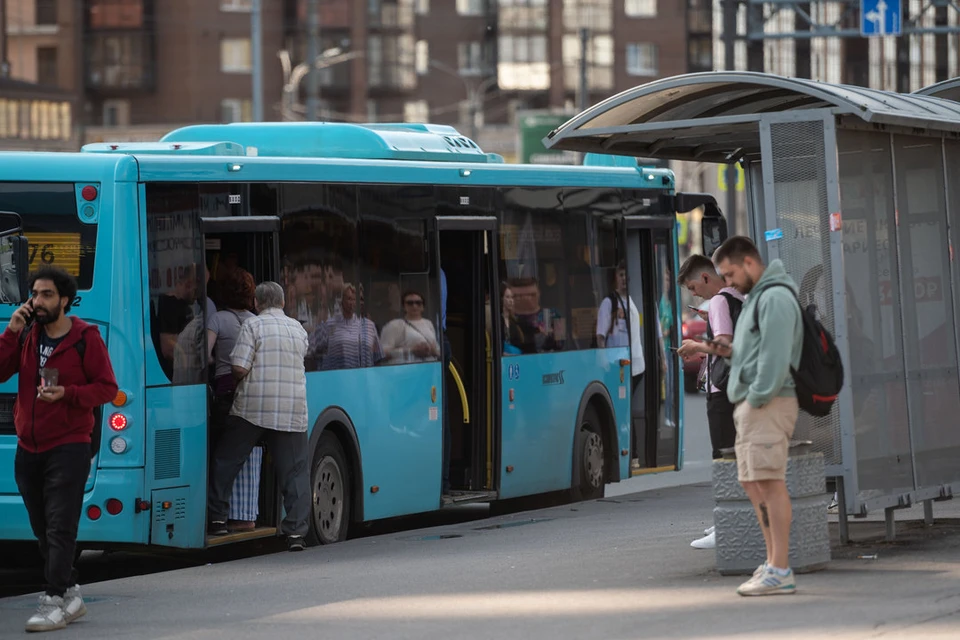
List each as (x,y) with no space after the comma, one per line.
(293,472)
(51,484)
(723,432)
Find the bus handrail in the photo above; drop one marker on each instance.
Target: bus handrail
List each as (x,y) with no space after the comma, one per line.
(463,393)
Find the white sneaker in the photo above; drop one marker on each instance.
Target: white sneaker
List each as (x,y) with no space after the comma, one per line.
(708,541)
(709,530)
(49,615)
(769,583)
(73,606)
(635,464)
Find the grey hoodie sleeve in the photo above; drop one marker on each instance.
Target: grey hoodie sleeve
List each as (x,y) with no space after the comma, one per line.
(779,324)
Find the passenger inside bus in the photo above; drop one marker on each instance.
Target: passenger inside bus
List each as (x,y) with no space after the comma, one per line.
(174,312)
(543,329)
(411,338)
(513,339)
(223,328)
(346,341)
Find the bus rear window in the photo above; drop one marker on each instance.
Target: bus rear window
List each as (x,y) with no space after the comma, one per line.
(50,222)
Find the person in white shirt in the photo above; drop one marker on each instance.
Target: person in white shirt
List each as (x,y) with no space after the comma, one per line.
(411,338)
(612,322)
(270,405)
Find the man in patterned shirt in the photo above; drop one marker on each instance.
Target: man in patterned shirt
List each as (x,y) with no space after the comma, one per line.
(270,405)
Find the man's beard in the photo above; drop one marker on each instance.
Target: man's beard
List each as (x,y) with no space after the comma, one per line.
(49,317)
(748,287)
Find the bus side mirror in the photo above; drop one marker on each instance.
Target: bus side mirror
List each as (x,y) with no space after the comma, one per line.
(14,266)
(713,231)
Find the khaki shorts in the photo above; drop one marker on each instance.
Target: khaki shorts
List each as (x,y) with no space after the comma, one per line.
(763,438)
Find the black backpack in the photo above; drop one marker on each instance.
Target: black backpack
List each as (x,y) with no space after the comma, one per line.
(819,377)
(718,369)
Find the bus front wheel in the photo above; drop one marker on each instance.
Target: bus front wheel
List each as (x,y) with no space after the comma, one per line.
(589,455)
(330,489)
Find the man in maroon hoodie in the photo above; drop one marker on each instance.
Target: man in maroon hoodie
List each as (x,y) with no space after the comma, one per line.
(54,425)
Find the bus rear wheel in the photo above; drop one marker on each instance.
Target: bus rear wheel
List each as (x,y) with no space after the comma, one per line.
(330,488)
(590,456)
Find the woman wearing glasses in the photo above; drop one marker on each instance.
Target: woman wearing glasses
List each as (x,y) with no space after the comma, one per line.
(411,338)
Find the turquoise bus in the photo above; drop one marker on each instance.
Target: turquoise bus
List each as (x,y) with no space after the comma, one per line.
(383,210)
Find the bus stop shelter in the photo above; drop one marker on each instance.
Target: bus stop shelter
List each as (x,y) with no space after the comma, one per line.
(857,191)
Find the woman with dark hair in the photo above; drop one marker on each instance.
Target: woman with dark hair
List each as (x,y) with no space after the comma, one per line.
(223,328)
(512,334)
(412,338)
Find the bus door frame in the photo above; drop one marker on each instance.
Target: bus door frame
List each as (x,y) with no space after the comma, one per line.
(247,224)
(641,228)
(487,439)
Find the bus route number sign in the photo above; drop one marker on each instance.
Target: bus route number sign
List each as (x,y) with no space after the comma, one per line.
(59,249)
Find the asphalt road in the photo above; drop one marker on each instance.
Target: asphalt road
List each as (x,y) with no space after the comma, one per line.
(97,566)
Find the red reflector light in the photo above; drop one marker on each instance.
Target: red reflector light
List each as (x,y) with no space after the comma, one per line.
(93,512)
(118,422)
(89,193)
(114,506)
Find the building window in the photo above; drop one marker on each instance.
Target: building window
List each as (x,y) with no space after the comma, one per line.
(521,15)
(235,110)
(118,61)
(115,14)
(642,59)
(470,7)
(422,7)
(423,57)
(235,55)
(47,66)
(470,58)
(641,8)
(523,62)
(244,6)
(599,61)
(391,61)
(700,53)
(116,113)
(46,12)
(416,111)
(596,15)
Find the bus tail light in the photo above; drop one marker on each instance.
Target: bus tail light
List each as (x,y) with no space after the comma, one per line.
(114,506)
(89,193)
(118,422)
(94,512)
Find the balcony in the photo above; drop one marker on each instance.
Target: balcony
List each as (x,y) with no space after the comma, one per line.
(119,63)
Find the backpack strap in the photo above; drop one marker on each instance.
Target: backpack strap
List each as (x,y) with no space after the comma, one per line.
(756,307)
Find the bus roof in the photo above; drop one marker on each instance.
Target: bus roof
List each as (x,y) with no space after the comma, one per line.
(204,153)
(401,141)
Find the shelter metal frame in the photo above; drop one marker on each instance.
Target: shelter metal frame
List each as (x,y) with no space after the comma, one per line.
(754,119)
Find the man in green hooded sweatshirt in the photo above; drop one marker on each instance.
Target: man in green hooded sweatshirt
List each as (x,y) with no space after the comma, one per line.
(762,389)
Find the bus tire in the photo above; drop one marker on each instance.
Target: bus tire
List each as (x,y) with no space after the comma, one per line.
(589,454)
(330,489)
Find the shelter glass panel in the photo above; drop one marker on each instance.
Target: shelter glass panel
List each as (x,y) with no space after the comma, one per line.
(800,192)
(929,327)
(876,366)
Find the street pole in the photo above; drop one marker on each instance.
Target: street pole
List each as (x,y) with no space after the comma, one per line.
(313,51)
(256,50)
(582,87)
(729,53)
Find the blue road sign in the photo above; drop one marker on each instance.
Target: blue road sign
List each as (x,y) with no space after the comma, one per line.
(880,17)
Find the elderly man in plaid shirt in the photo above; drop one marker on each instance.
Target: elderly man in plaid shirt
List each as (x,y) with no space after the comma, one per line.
(270,405)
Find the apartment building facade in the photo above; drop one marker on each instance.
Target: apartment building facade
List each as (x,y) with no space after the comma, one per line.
(153,64)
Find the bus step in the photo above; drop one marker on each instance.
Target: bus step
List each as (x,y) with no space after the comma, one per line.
(464,497)
(239,536)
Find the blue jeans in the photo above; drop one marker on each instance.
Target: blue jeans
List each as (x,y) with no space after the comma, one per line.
(52,484)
